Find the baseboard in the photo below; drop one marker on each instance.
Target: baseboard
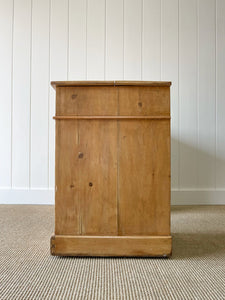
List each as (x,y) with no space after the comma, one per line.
(46,196)
(198,197)
(26,196)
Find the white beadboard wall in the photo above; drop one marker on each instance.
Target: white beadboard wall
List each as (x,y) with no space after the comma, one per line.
(182,41)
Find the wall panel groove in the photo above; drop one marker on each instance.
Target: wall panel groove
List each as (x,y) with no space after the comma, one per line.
(206,94)
(188,93)
(39,96)
(220,92)
(48,112)
(21,93)
(6,71)
(170,71)
(58,67)
(114,40)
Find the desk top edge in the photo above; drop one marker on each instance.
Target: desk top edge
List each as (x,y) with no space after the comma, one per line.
(109,83)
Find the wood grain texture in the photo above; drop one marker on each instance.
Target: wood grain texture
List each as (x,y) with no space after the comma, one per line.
(144,178)
(67,205)
(113,170)
(108,83)
(111,246)
(144,101)
(98,177)
(86,101)
(110,117)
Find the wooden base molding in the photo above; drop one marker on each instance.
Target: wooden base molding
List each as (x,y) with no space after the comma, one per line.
(144,246)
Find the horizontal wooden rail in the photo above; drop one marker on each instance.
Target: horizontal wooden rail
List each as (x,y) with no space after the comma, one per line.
(111,245)
(110,117)
(110,83)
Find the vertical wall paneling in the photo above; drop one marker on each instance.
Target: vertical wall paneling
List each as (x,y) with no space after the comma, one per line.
(182,41)
(206,94)
(95,39)
(77,40)
(114,40)
(151,36)
(132,39)
(58,67)
(220,94)
(6,33)
(170,72)
(188,93)
(21,93)
(39,94)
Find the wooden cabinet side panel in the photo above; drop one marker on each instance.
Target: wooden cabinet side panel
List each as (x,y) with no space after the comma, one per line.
(98,176)
(144,177)
(67,207)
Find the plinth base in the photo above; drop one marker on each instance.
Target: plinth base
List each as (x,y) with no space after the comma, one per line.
(141,246)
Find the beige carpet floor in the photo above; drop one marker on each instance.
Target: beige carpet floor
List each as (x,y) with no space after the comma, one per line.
(196,269)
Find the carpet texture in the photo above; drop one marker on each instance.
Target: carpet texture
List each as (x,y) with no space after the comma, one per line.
(196,269)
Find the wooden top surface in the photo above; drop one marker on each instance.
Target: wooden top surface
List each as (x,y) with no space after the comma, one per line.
(109,83)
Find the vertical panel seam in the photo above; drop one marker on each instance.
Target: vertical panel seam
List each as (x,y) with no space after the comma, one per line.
(79,184)
(118,165)
(178,91)
(68,37)
(160,39)
(123,38)
(31,40)
(12,71)
(215,147)
(197,91)
(86,39)
(142,29)
(49,68)
(105,42)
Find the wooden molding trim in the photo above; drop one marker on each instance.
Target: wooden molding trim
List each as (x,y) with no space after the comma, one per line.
(148,246)
(56,84)
(110,117)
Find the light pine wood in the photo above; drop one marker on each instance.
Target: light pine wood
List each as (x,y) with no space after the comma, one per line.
(86,101)
(67,205)
(112,169)
(109,117)
(97,171)
(144,101)
(111,245)
(108,83)
(144,195)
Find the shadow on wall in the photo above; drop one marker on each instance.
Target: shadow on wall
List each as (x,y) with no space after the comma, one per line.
(197,168)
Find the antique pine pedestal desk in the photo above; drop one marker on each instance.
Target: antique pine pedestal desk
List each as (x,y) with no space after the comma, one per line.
(112,169)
